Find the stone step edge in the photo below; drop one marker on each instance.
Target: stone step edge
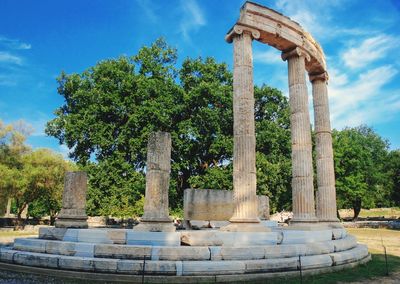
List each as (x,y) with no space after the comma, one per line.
(180,268)
(184,252)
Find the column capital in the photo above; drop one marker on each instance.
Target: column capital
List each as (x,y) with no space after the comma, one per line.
(239,29)
(321,76)
(297,51)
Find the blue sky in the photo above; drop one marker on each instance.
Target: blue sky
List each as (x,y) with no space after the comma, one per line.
(39,39)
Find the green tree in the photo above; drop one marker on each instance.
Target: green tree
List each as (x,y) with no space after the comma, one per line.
(393,170)
(111,108)
(360,156)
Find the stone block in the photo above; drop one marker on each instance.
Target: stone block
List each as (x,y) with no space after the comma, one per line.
(320,248)
(233,239)
(338,234)
(357,253)
(180,253)
(32,245)
(316,261)
(105,265)
(269,265)
(283,251)
(76,263)
(213,267)
(218,224)
(122,251)
(51,233)
(61,248)
(36,259)
(269,223)
(130,266)
(7,255)
(160,267)
(198,224)
(117,236)
(215,253)
(347,243)
(96,236)
(300,237)
(71,235)
(238,253)
(84,249)
(153,238)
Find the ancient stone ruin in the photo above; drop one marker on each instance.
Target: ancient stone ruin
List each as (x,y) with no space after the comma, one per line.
(246,248)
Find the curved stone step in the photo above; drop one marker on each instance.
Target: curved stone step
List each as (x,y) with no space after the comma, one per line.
(195,253)
(169,267)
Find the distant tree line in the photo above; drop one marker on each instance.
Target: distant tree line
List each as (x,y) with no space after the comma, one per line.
(110,109)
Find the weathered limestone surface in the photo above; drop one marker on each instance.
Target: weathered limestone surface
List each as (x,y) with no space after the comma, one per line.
(326,193)
(73,212)
(244,149)
(302,168)
(156,212)
(153,238)
(216,205)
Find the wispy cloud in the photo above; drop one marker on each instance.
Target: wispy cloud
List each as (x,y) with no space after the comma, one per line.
(369,50)
(193,18)
(269,56)
(363,100)
(148,9)
(13,43)
(6,57)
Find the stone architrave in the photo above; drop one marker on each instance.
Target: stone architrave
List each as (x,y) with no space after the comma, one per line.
(244,147)
(302,167)
(326,193)
(156,213)
(73,212)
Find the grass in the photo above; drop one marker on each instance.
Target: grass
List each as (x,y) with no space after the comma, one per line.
(15,233)
(393,212)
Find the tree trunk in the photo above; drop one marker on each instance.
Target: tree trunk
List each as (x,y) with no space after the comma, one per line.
(8,210)
(356,208)
(20,222)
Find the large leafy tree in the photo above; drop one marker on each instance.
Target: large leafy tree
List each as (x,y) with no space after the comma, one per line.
(360,159)
(111,108)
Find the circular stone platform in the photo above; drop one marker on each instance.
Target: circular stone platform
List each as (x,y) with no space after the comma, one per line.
(223,256)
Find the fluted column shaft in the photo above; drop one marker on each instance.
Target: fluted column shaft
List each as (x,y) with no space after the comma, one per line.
(326,193)
(302,169)
(244,149)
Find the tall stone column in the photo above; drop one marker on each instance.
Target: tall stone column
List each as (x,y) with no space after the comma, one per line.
(302,168)
(156,211)
(244,147)
(326,193)
(73,212)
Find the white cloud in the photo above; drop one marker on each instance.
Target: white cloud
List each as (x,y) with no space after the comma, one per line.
(193,18)
(6,57)
(148,9)
(363,100)
(14,43)
(64,151)
(368,51)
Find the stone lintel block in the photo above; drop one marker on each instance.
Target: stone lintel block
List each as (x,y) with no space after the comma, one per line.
(284,251)
(61,248)
(51,233)
(153,238)
(76,263)
(242,253)
(316,261)
(105,265)
(31,245)
(7,254)
(357,253)
(129,266)
(266,265)
(122,251)
(293,236)
(36,259)
(180,253)
(213,267)
(346,243)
